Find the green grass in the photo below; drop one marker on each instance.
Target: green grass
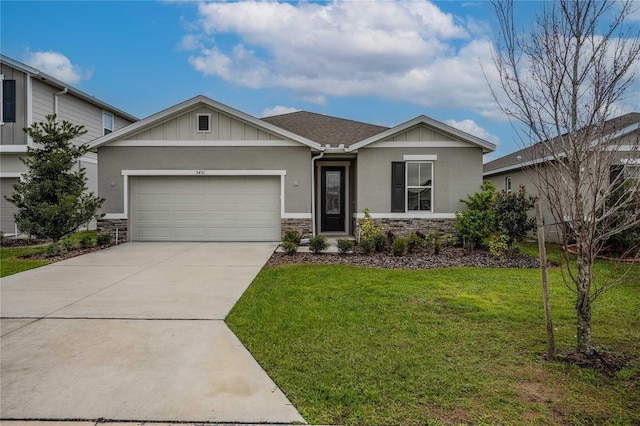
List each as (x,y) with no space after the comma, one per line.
(353,345)
(12,259)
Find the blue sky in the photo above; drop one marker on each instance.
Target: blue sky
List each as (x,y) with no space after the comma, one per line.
(382,62)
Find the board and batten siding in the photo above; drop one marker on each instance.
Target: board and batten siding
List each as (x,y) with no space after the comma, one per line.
(73,109)
(421,134)
(12,133)
(223,128)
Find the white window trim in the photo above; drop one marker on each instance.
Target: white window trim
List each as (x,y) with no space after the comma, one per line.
(113,123)
(198,123)
(508,185)
(407,186)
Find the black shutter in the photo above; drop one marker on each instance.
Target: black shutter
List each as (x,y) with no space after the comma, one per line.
(615,173)
(397,186)
(9,101)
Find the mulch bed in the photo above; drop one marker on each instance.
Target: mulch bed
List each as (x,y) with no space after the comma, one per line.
(425,259)
(607,363)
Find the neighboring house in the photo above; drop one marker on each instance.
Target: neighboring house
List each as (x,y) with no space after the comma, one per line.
(204,171)
(27,96)
(509,172)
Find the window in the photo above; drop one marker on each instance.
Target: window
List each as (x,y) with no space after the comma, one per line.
(107,123)
(507,184)
(632,172)
(204,122)
(8,96)
(411,186)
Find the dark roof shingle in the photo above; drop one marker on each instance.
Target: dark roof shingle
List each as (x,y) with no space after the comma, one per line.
(325,129)
(533,152)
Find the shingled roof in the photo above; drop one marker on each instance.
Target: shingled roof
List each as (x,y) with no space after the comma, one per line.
(532,153)
(325,129)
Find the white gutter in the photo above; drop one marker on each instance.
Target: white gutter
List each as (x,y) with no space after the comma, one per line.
(313,191)
(55,99)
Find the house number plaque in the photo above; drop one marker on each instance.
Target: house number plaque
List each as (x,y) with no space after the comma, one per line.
(200,173)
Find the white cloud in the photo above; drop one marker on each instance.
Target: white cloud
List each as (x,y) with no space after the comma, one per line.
(472,128)
(409,51)
(278,110)
(57,65)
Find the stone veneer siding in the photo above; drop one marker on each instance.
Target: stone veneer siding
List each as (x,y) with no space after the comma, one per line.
(303,226)
(110,226)
(406,226)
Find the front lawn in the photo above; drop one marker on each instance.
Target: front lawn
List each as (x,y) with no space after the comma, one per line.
(14,259)
(355,345)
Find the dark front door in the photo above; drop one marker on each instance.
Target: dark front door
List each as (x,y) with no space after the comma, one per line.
(332,215)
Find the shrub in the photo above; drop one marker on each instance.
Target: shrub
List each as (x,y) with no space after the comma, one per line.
(448,240)
(380,242)
(54,249)
(367,227)
(399,246)
(390,237)
(293,236)
(67,244)
(318,244)
(103,239)
(86,242)
(478,221)
(498,244)
(345,246)
(289,247)
(414,242)
(512,214)
(367,245)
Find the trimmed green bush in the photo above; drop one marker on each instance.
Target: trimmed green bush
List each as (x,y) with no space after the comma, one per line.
(293,236)
(318,244)
(367,245)
(399,246)
(345,246)
(289,247)
(103,239)
(413,242)
(86,242)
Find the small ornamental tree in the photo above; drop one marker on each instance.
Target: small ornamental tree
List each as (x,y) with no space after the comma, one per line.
(512,214)
(52,199)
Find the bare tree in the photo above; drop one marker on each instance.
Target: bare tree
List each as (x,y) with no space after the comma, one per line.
(564,80)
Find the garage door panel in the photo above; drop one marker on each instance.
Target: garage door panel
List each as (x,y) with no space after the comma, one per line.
(205,208)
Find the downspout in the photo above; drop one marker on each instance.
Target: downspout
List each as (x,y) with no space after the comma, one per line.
(55,100)
(313,191)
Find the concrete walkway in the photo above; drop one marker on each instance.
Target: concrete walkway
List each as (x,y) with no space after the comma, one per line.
(135,333)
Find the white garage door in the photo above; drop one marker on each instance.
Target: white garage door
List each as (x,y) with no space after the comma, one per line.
(205,208)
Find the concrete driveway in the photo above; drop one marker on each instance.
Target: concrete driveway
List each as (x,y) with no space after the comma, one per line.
(135,333)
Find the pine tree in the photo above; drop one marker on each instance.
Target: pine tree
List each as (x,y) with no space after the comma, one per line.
(52,198)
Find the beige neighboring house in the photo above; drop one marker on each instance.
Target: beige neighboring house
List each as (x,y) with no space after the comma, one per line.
(204,171)
(509,172)
(27,96)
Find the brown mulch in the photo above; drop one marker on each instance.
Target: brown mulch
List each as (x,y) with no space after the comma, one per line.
(425,259)
(605,362)
(22,241)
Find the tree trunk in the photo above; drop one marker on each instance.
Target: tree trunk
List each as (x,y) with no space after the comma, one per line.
(583,303)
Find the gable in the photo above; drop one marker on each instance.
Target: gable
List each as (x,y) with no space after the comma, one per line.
(223,127)
(421,135)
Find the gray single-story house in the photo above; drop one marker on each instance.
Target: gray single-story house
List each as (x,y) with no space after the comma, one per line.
(202,171)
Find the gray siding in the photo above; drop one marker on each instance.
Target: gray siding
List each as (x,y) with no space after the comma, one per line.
(12,133)
(73,109)
(457,173)
(295,160)
(420,133)
(223,128)
(10,163)
(7,209)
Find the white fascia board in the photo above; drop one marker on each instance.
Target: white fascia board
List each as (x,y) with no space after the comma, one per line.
(196,172)
(13,149)
(10,174)
(630,161)
(407,215)
(422,119)
(295,216)
(190,104)
(175,143)
(422,144)
(89,160)
(420,157)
